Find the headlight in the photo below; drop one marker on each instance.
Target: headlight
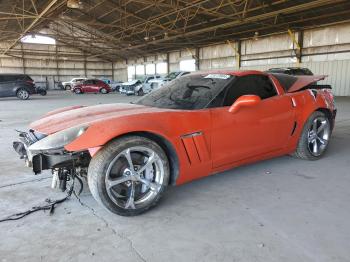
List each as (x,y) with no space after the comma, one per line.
(59,139)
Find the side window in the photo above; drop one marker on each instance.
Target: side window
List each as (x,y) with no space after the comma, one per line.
(88,82)
(150,78)
(8,78)
(250,85)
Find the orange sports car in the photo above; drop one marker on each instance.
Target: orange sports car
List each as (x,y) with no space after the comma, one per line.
(194,126)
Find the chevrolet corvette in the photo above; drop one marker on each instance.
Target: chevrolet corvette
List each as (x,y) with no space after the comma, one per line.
(194,126)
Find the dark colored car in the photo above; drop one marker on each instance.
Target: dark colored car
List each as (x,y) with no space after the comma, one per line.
(295,71)
(19,85)
(92,86)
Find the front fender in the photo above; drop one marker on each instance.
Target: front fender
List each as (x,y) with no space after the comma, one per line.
(174,127)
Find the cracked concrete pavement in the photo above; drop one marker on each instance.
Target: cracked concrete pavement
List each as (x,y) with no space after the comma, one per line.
(282,209)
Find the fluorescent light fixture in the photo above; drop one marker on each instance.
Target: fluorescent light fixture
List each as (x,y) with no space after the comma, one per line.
(38,39)
(75,4)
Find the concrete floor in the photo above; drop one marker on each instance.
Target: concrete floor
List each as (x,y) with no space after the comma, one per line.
(283,209)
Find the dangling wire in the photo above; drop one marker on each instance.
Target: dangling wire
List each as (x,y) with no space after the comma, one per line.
(51,204)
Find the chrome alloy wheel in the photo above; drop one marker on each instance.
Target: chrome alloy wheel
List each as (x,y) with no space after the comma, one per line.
(134,177)
(318,135)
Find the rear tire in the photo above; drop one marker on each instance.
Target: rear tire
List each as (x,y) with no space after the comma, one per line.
(43,92)
(22,94)
(314,139)
(129,189)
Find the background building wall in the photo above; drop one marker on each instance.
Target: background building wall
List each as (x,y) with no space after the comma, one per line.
(325,51)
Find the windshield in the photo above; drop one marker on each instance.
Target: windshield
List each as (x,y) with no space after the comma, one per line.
(189,92)
(141,78)
(172,75)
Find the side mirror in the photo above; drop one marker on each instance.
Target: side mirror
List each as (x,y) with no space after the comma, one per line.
(243,101)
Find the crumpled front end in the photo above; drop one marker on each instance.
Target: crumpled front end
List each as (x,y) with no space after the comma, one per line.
(42,155)
(46,152)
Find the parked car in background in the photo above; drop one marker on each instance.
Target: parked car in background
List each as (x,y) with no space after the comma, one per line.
(156,83)
(19,85)
(291,71)
(146,84)
(70,84)
(115,85)
(176,74)
(133,87)
(91,86)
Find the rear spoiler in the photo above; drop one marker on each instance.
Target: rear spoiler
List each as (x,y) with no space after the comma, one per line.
(316,86)
(307,82)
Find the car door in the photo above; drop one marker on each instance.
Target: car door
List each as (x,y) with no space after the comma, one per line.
(147,85)
(7,85)
(87,86)
(254,130)
(3,87)
(95,86)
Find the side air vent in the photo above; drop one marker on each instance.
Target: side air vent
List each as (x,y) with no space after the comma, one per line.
(195,147)
(294,127)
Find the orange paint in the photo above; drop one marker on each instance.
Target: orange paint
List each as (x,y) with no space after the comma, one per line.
(206,141)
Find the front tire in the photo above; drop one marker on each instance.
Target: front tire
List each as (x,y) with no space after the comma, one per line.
(68,87)
(140,92)
(129,175)
(315,136)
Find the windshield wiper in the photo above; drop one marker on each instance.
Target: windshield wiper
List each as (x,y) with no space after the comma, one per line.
(197,86)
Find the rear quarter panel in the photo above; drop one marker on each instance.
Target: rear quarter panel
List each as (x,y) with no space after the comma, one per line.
(306,102)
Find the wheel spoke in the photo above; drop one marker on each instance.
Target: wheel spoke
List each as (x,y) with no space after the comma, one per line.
(112,183)
(149,162)
(130,203)
(153,186)
(127,155)
(314,126)
(315,147)
(322,126)
(322,141)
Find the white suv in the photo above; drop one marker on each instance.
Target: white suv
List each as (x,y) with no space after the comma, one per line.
(73,82)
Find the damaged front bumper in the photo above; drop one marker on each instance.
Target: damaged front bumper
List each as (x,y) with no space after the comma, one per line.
(48,159)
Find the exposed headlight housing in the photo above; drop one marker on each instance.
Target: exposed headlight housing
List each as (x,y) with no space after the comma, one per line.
(58,140)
